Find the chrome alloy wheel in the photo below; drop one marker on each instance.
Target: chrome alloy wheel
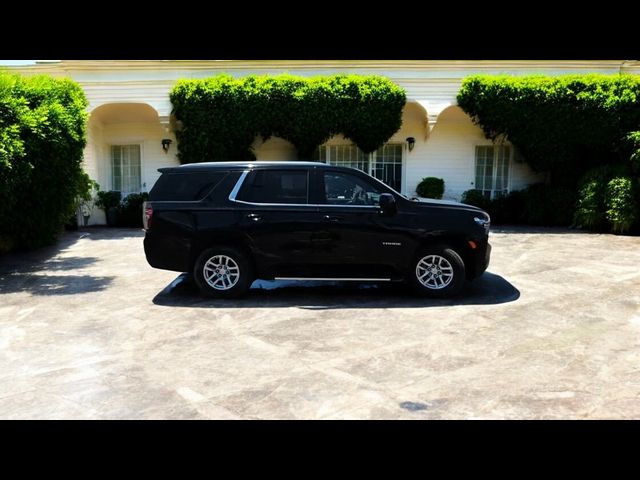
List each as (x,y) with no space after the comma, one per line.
(221,272)
(434,272)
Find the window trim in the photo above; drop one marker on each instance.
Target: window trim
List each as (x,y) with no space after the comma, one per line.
(494,169)
(143,184)
(371,160)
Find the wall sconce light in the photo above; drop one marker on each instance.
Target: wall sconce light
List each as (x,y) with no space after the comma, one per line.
(411,142)
(166,142)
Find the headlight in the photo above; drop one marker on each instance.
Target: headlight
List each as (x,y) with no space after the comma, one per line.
(483,222)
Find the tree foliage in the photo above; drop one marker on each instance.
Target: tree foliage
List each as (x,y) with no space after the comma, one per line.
(221,116)
(42,137)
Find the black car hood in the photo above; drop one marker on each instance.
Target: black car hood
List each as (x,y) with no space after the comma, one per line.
(445,204)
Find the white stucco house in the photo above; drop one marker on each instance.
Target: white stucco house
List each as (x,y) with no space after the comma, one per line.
(130,120)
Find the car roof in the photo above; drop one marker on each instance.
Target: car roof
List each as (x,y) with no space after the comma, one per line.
(242,165)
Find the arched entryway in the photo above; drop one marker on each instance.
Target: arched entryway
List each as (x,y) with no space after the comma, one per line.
(125,148)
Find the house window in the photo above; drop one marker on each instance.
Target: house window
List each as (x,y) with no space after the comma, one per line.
(385,164)
(492,170)
(125,169)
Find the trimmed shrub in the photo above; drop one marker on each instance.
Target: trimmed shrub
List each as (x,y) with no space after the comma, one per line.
(547,205)
(107,200)
(620,202)
(537,205)
(591,206)
(590,209)
(110,203)
(221,115)
(431,187)
(476,198)
(509,209)
(42,137)
(130,210)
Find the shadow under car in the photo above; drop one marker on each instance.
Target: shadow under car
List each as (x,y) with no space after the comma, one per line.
(488,289)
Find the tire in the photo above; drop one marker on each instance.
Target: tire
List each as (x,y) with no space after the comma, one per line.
(228,270)
(437,272)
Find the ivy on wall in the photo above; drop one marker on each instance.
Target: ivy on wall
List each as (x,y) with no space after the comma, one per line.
(221,116)
(564,125)
(582,129)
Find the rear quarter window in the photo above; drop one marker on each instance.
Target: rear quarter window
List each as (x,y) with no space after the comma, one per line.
(185,187)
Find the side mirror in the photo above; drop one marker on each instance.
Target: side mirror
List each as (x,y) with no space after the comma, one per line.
(387,203)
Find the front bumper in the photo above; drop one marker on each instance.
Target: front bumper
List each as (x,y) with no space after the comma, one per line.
(487,258)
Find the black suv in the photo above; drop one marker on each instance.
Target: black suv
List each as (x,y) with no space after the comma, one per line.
(229,223)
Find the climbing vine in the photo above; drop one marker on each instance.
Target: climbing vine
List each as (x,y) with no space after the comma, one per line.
(221,116)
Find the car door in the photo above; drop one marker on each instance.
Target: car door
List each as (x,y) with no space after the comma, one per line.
(276,217)
(355,240)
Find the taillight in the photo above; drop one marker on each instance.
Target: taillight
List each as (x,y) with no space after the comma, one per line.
(147,214)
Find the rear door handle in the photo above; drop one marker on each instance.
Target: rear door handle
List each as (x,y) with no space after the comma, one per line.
(331,218)
(254,216)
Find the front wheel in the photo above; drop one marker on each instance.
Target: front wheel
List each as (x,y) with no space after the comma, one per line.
(223,272)
(438,272)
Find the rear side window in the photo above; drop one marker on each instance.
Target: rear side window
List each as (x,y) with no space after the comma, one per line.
(184,187)
(275,186)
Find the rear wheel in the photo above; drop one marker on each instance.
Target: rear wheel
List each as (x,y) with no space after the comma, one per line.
(438,271)
(223,272)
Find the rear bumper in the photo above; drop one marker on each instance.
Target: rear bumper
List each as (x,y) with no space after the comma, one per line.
(167,253)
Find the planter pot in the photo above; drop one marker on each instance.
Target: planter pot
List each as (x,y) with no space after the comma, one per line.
(112,216)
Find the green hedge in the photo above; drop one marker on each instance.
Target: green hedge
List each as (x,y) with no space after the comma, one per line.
(539,204)
(221,116)
(608,199)
(564,125)
(42,137)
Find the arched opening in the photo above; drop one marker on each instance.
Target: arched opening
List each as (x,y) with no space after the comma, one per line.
(125,148)
(274,149)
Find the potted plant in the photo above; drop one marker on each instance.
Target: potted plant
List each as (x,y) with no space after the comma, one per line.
(109,202)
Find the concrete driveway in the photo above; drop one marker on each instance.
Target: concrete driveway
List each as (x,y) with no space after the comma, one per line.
(552,330)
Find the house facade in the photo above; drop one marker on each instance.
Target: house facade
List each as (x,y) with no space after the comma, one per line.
(131,130)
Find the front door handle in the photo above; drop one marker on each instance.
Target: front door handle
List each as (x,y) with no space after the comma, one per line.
(331,218)
(254,216)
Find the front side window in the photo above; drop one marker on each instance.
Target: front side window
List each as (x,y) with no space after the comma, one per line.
(276,186)
(492,170)
(125,169)
(346,189)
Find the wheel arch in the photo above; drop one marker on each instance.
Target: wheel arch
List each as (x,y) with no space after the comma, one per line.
(228,239)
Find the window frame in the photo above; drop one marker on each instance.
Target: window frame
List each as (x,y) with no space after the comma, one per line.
(111,176)
(315,191)
(494,170)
